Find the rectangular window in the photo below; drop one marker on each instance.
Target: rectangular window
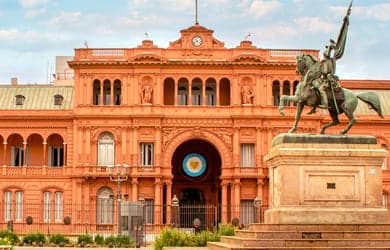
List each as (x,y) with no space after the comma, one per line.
(7,206)
(46,206)
(247,155)
(196,99)
(247,212)
(56,156)
(182,99)
(96,99)
(210,100)
(149,211)
(147,152)
(17,156)
(105,211)
(384,200)
(58,207)
(18,206)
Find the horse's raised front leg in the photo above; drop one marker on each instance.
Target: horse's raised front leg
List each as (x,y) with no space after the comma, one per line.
(283,99)
(334,122)
(297,117)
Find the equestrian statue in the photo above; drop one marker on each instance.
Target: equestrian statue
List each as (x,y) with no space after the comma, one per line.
(319,86)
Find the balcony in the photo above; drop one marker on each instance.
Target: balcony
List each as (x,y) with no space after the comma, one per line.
(34,171)
(103,171)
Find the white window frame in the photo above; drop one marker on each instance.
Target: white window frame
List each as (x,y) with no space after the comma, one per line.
(146,154)
(106,150)
(247,155)
(58,206)
(18,206)
(59,153)
(7,206)
(46,206)
(104,206)
(247,212)
(149,211)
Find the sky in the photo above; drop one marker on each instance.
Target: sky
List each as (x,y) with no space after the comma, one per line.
(34,32)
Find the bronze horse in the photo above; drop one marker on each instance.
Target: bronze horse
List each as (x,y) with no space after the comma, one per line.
(305,94)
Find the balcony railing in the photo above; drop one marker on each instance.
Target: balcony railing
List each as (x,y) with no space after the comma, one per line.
(33,171)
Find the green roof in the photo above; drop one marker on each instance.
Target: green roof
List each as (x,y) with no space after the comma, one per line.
(36,97)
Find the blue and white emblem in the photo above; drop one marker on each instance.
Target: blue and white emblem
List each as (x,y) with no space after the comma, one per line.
(194,165)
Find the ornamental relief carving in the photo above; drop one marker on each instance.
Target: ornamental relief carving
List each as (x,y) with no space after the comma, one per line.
(225,134)
(147,122)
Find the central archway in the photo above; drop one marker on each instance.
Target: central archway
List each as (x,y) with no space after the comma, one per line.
(196,170)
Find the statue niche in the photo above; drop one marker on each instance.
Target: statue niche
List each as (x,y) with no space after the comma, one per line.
(146,90)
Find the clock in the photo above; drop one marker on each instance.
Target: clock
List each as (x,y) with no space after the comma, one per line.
(196,41)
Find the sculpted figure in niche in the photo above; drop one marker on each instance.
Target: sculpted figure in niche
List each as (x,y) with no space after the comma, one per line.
(247,94)
(146,94)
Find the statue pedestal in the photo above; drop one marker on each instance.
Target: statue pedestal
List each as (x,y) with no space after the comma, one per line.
(317,179)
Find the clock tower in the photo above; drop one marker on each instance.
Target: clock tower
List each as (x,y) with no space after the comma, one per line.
(197,37)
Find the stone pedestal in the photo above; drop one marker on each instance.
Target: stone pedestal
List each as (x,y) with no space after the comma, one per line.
(318,179)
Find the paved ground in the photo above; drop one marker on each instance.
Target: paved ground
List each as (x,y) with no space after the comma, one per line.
(78,248)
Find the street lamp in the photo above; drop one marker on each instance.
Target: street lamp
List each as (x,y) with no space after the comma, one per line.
(119,173)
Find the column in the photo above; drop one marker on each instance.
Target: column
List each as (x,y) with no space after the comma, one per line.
(157,151)
(45,160)
(190,93)
(101,92)
(291,91)
(236,149)
(237,201)
(169,199)
(134,189)
(203,93)
(24,153)
(87,144)
(224,202)
(111,92)
(175,98)
(157,202)
(5,154)
(217,94)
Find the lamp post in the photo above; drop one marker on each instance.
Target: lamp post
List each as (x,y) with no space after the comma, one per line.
(119,173)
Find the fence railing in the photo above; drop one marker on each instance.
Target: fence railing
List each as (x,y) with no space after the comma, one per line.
(101,218)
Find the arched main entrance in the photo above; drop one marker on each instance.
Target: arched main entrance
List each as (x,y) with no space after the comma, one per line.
(196,169)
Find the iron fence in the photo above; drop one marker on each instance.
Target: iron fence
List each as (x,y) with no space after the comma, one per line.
(78,219)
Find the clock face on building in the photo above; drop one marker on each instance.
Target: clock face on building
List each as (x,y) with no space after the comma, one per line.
(196,41)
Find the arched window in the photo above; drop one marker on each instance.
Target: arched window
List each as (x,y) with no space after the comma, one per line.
(96,92)
(276,92)
(117,92)
(169,91)
(196,92)
(106,149)
(286,91)
(224,92)
(105,206)
(183,92)
(107,92)
(211,87)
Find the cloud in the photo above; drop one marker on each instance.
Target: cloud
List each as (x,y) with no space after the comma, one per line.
(32,3)
(260,8)
(31,13)
(275,32)
(313,24)
(379,12)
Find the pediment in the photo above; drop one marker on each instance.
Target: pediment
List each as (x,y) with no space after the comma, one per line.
(249,58)
(147,57)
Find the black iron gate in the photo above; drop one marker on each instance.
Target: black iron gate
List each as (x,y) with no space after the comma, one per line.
(133,221)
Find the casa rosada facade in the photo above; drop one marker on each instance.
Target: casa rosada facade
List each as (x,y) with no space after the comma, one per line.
(189,123)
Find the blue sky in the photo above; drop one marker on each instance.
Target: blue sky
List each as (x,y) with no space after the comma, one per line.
(33,32)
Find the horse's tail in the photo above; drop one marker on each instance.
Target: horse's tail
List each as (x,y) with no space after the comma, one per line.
(373,100)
